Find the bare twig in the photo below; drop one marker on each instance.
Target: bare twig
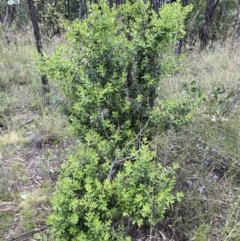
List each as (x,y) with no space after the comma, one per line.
(137,136)
(117,162)
(27,122)
(164,238)
(121,161)
(25,236)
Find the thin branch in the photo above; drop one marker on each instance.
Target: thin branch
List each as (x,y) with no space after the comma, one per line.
(137,136)
(117,162)
(25,236)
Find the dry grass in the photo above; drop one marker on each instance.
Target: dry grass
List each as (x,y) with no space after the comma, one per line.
(207,150)
(211,69)
(10,138)
(34,141)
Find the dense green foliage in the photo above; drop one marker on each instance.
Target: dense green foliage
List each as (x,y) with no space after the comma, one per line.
(110,70)
(112,66)
(88,207)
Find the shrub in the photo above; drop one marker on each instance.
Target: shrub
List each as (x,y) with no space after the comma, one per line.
(110,70)
(87,206)
(112,66)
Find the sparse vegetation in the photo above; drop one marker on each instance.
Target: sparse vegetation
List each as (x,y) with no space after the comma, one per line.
(34,141)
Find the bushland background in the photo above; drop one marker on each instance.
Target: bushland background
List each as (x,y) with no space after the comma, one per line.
(35,140)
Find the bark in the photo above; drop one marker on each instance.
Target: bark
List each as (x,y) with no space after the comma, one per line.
(10,15)
(185,2)
(82,13)
(45,84)
(6,17)
(236,25)
(110,3)
(209,14)
(238,31)
(178,47)
(68,10)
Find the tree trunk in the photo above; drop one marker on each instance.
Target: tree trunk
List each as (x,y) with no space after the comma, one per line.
(209,14)
(10,14)
(45,84)
(178,47)
(236,25)
(68,10)
(82,13)
(238,30)
(6,17)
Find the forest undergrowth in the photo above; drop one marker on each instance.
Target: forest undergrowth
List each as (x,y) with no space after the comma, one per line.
(35,141)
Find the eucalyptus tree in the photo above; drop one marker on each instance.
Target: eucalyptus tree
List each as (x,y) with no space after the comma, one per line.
(10,12)
(32,11)
(211,21)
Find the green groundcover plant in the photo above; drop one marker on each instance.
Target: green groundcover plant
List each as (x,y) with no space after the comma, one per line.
(110,69)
